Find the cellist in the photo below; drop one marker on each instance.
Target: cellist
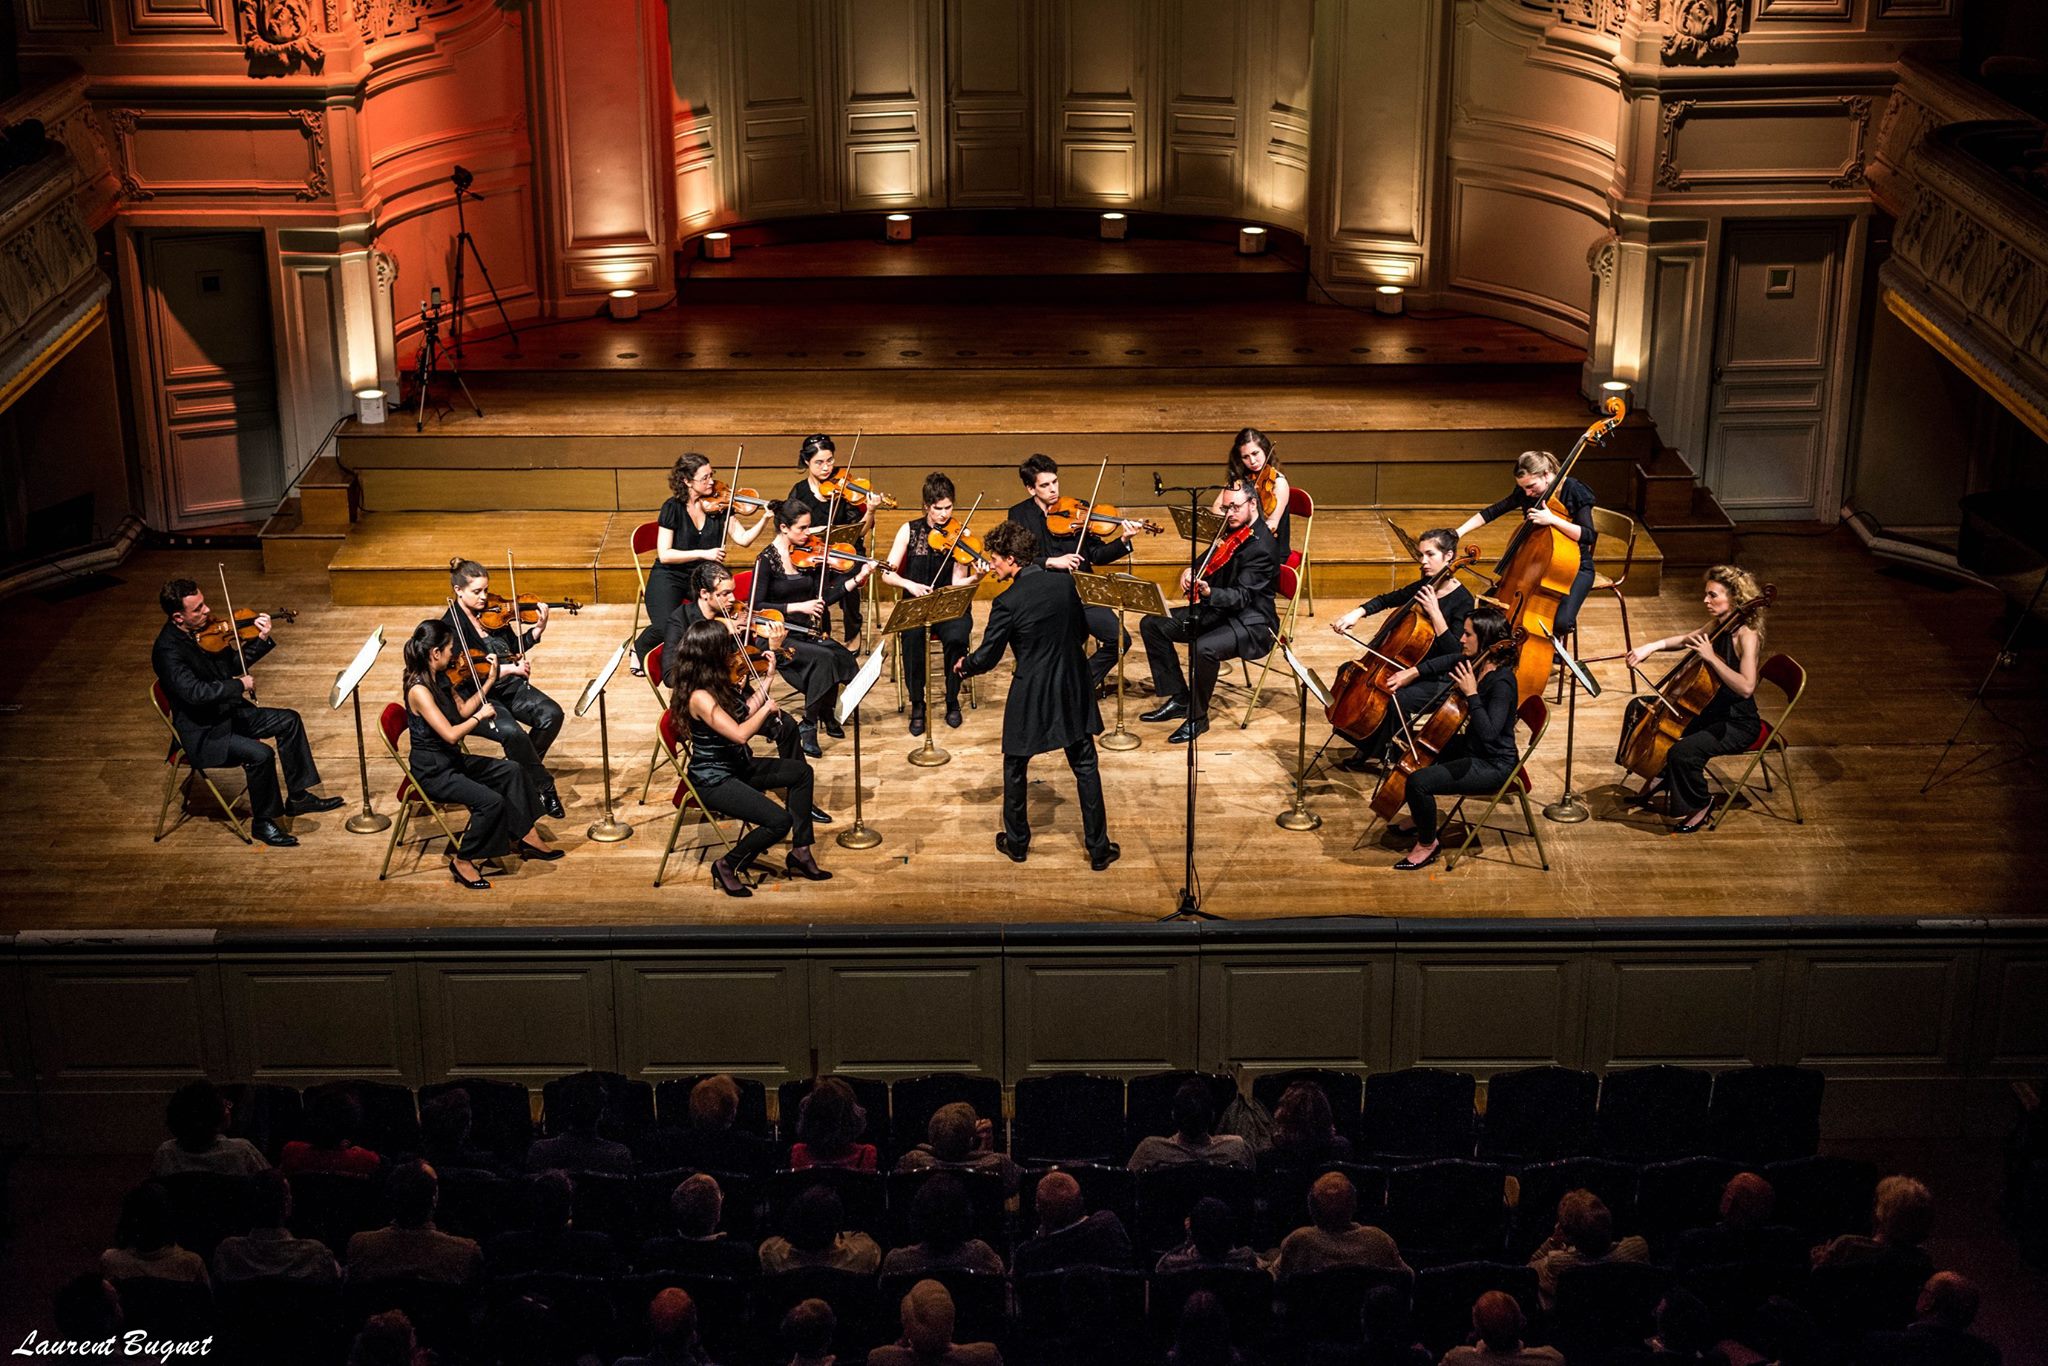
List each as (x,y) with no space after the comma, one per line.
(1480,757)
(1728,724)
(1446,609)
(1534,473)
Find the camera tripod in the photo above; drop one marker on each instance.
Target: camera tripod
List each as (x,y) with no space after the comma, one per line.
(465,251)
(430,355)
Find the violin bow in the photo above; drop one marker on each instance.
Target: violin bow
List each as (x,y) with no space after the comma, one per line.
(1088,512)
(959,535)
(512,584)
(732,505)
(235,629)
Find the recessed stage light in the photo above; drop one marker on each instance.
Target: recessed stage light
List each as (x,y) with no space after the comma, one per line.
(622,304)
(1617,388)
(370,407)
(896,227)
(1389,299)
(1251,241)
(1113,226)
(717,246)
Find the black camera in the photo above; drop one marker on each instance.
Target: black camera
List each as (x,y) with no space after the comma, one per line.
(463,178)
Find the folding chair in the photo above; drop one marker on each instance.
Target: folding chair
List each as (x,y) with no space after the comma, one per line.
(1293,586)
(646,538)
(1788,676)
(1536,716)
(743,592)
(389,726)
(655,664)
(1609,526)
(686,798)
(176,758)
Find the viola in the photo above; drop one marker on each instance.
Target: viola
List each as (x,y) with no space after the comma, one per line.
(1226,545)
(1425,743)
(965,548)
(769,624)
(221,634)
(468,668)
(1656,721)
(724,497)
(750,662)
(498,610)
(855,493)
(806,555)
(1267,482)
(1359,701)
(1063,518)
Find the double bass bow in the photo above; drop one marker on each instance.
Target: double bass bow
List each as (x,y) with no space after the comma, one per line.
(1656,721)
(1360,697)
(1425,744)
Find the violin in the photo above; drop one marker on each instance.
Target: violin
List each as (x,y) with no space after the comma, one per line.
(770,624)
(966,548)
(1226,545)
(221,634)
(1656,721)
(807,554)
(1267,482)
(498,610)
(1359,701)
(750,662)
(724,497)
(468,668)
(1426,743)
(1064,519)
(855,493)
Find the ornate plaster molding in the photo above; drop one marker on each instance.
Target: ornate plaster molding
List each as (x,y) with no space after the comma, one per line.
(278,35)
(1849,175)
(1703,31)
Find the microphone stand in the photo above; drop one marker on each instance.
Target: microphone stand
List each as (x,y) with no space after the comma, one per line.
(1190,904)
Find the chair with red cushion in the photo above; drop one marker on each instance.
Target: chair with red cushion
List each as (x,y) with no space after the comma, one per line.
(1292,584)
(411,800)
(175,758)
(646,537)
(686,799)
(656,663)
(1535,715)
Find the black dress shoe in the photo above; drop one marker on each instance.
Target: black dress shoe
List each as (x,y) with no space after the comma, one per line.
(475,884)
(1358,761)
(807,733)
(273,834)
(306,803)
(533,855)
(1696,822)
(820,816)
(917,720)
(728,881)
(1110,854)
(1172,709)
(832,726)
(551,803)
(1017,852)
(953,714)
(1186,731)
(804,864)
(1404,866)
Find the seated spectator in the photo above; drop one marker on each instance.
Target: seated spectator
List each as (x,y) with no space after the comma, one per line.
(551,1242)
(1212,1241)
(1067,1234)
(387,1340)
(1745,1232)
(1202,1338)
(268,1248)
(712,1142)
(958,1138)
(196,1115)
(87,1308)
(445,1124)
(807,1333)
(1497,1327)
(1335,1238)
(410,1246)
(1194,1114)
(942,1217)
(1584,1234)
(1304,1133)
(928,1334)
(577,1146)
(332,1122)
(1939,1334)
(1686,1334)
(1385,1337)
(829,1124)
(672,1322)
(1901,1217)
(813,1235)
(143,1245)
(698,1246)
(1785,1333)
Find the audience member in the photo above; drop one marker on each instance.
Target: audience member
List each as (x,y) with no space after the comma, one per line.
(268,1248)
(1335,1238)
(1067,1234)
(1745,1232)
(551,1242)
(1584,1234)
(1194,1115)
(813,1235)
(1386,1338)
(1686,1334)
(387,1340)
(577,1146)
(928,1334)
(713,1141)
(1212,1241)
(1939,1334)
(332,1122)
(445,1125)
(196,1115)
(829,1124)
(807,1333)
(958,1138)
(1497,1327)
(143,1244)
(1901,1217)
(1202,1338)
(698,1246)
(87,1308)
(1304,1132)
(410,1246)
(942,1217)
(1785,1333)
(672,1324)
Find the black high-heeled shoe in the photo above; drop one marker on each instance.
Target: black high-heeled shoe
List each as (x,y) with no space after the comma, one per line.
(803,864)
(728,881)
(527,851)
(477,884)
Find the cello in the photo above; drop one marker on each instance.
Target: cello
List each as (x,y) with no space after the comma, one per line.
(1426,744)
(1535,575)
(1360,697)
(1656,721)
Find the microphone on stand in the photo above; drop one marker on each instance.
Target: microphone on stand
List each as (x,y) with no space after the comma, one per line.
(1158,484)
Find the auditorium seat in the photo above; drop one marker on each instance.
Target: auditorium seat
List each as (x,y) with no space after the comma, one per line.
(500,1115)
(1539,1114)
(1148,1102)
(180,1310)
(1543,1184)
(1246,1294)
(1166,1194)
(275,1319)
(607,1202)
(391,1121)
(265,1113)
(1449,1210)
(546,1317)
(984,1190)
(864,1320)
(1444,1296)
(1069,1117)
(1344,1090)
(872,1096)
(724,1304)
(861,1194)
(914,1100)
(480,1204)
(1323,1306)
(672,1104)
(1766,1114)
(1605,1308)
(628,1105)
(207,1207)
(1113,1188)
(1823,1196)
(1081,1316)
(1674,1196)
(443,1315)
(1417,1112)
(334,1207)
(981,1300)
(1655,1113)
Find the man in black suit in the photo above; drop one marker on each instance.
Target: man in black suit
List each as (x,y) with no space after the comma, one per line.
(1232,617)
(218,721)
(1073,552)
(1051,705)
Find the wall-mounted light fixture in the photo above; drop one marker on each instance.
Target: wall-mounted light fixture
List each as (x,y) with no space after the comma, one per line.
(370,407)
(717,246)
(622,304)
(1390,300)
(1251,241)
(1618,388)
(896,227)
(1113,226)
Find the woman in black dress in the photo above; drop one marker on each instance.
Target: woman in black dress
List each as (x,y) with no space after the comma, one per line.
(1535,471)
(821,664)
(1480,757)
(500,794)
(729,779)
(1728,724)
(690,535)
(1251,463)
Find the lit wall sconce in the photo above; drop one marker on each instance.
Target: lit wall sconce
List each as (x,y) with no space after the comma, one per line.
(1251,241)
(1390,300)
(717,246)
(622,304)
(370,407)
(896,227)
(1113,226)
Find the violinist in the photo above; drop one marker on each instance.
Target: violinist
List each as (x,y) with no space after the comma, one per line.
(1535,471)
(213,706)
(722,716)
(1446,607)
(1230,615)
(693,532)
(500,794)
(822,664)
(819,458)
(1728,724)
(1078,550)
(1251,463)
(913,566)
(1051,705)
(1480,757)
(524,720)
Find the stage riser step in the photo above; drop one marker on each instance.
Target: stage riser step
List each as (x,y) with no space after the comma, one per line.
(1093,290)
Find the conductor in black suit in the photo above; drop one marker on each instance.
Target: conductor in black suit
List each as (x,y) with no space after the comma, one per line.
(1233,617)
(1051,703)
(219,724)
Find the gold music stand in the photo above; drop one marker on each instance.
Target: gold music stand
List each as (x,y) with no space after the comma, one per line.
(1203,526)
(941,604)
(1121,593)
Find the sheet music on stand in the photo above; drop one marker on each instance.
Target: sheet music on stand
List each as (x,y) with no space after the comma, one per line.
(1408,543)
(941,604)
(1121,593)
(345,682)
(853,693)
(1204,527)
(1308,676)
(603,680)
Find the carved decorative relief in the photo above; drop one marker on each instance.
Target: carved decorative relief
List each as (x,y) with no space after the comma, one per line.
(1703,31)
(1668,174)
(1600,16)
(313,123)
(1859,120)
(278,35)
(377,20)
(123,122)
(1603,257)
(43,257)
(386,266)
(1851,172)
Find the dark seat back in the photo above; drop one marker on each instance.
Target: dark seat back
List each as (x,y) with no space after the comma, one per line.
(279,1318)
(1444,1296)
(1323,1306)
(501,1114)
(1674,1196)
(1543,1184)
(861,1194)
(981,1299)
(1449,1210)
(1607,1306)
(1766,1114)
(1069,1117)
(672,1104)
(1655,1113)
(1344,1090)
(1418,1112)
(1246,1294)
(166,1309)
(207,1207)
(1166,1194)
(1823,1196)
(391,1120)
(266,1114)
(984,1189)
(1148,1101)
(334,1207)
(864,1320)
(1539,1114)
(443,1315)
(872,1096)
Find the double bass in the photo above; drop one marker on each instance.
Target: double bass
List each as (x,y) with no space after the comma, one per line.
(1656,721)
(1359,700)
(1426,744)
(1535,575)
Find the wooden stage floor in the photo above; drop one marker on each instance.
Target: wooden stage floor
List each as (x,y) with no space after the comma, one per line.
(1892,660)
